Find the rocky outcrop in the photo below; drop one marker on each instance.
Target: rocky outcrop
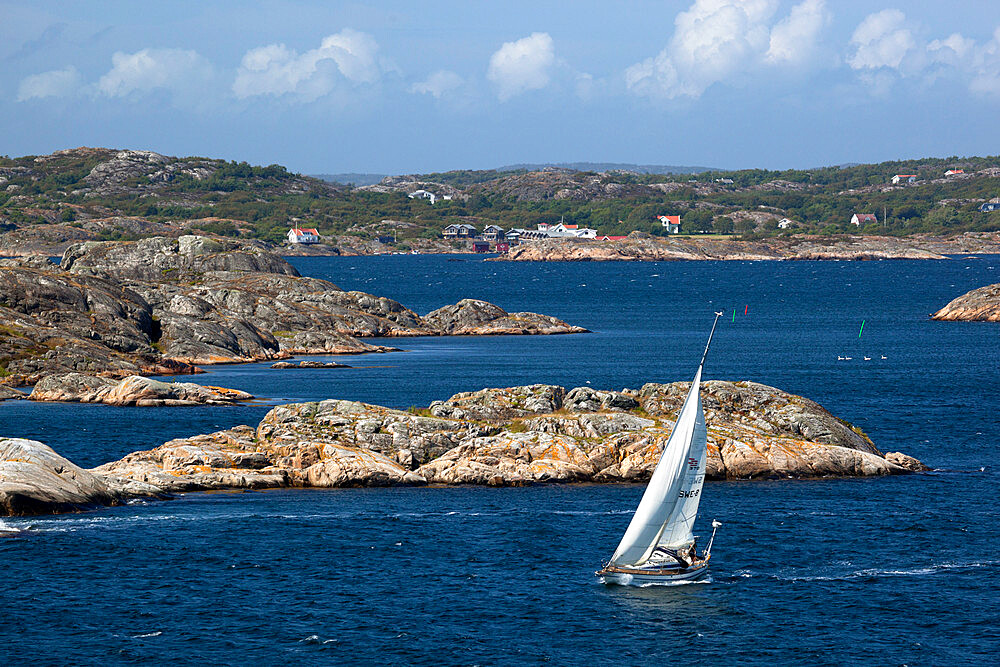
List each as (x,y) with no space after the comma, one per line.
(166,305)
(8,394)
(472,317)
(498,437)
(979,305)
(186,258)
(36,480)
(515,436)
(308,364)
(54,322)
(641,247)
(133,390)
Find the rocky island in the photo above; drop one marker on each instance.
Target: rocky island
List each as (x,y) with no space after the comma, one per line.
(498,437)
(643,247)
(164,305)
(979,305)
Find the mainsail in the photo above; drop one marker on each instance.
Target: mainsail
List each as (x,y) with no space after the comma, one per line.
(665,515)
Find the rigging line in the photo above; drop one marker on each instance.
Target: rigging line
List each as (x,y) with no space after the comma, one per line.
(703,356)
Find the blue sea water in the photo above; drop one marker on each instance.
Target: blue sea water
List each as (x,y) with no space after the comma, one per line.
(901,570)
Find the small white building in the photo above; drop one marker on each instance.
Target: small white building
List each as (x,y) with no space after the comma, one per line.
(671,222)
(305,236)
(423,194)
(859,219)
(785,223)
(904,178)
(954,172)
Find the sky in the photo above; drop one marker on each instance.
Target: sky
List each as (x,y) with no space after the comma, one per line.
(414,87)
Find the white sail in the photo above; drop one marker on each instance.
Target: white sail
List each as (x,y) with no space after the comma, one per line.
(668,497)
(678,532)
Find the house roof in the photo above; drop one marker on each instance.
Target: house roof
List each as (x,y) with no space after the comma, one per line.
(865,216)
(673,219)
(905,176)
(301,232)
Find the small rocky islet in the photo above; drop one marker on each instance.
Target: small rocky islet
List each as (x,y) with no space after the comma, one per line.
(497,437)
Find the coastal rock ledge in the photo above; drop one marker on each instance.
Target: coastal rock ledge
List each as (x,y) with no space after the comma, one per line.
(133,390)
(979,305)
(497,437)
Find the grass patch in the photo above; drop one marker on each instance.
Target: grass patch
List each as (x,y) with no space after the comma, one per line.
(419,412)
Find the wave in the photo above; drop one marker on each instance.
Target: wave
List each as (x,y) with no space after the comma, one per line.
(706,580)
(7,528)
(875,573)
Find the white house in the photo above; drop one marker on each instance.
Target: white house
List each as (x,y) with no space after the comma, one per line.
(954,172)
(785,223)
(671,222)
(904,178)
(459,231)
(863,218)
(296,235)
(493,233)
(423,194)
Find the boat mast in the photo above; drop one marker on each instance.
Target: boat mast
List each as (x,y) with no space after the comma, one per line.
(711,333)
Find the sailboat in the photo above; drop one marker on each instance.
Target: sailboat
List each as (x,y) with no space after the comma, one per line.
(659,544)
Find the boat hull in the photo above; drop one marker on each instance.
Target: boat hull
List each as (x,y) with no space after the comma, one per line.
(626,576)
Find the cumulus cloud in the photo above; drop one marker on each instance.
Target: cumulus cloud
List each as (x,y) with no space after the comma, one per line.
(719,40)
(523,65)
(55,83)
(953,50)
(147,70)
(881,40)
(347,56)
(885,51)
(794,37)
(986,67)
(438,84)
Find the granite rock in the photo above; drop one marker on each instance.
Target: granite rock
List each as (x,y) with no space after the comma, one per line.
(979,305)
(133,390)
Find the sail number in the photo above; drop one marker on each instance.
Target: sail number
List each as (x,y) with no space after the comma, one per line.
(689,494)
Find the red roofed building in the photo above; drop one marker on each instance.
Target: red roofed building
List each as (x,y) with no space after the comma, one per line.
(671,222)
(863,218)
(953,172)
(297,235)
(611,238)
(908,178)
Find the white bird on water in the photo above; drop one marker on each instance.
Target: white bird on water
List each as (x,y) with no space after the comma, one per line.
(884,357)
(848,358)
(868,358)
(840,358)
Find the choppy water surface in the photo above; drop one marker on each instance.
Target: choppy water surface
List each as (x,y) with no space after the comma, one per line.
(890,571)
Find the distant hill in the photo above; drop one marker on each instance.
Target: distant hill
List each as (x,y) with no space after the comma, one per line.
(611,166)
(102,193)
(351,179)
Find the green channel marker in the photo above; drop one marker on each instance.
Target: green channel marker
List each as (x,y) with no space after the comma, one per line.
(734,315)
(862,328)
